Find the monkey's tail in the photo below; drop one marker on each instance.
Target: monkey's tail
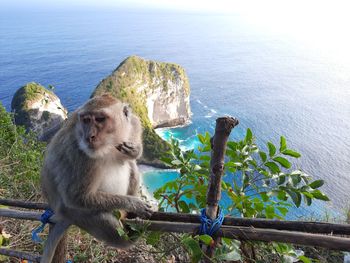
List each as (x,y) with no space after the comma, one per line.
(57,231)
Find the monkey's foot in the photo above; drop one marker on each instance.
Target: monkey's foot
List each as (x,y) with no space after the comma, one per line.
(142,209)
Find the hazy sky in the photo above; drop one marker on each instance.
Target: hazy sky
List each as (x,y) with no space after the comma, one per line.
(227,6)
(317,22)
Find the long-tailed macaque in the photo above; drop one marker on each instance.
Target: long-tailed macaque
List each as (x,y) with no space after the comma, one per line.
(90,169)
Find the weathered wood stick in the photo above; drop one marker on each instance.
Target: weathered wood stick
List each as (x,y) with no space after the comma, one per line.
(257,234)
(26,215)
(299,226)
(23,204)
(19,254)
(218,142)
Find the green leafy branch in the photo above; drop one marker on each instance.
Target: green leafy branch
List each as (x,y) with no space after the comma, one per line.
(258,183)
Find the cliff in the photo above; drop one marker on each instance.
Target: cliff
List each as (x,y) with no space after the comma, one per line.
(38,109)
(158,92)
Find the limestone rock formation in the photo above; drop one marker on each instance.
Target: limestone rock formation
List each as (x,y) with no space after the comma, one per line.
(158,92)
(38,109)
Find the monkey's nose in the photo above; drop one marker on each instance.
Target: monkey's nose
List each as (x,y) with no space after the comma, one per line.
(91,138)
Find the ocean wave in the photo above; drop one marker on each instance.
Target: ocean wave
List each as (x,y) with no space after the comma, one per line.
(188,143)
(201,103)
(211,113)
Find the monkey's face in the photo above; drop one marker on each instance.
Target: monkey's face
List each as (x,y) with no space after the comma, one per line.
(99,131)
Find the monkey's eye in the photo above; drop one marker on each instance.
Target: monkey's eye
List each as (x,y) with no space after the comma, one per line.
(100,119)
(86,120)
(126,111)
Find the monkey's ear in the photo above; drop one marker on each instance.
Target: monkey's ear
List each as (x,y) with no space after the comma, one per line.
(127,110)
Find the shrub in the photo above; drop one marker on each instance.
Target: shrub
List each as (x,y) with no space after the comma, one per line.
(21,157)
(256,184)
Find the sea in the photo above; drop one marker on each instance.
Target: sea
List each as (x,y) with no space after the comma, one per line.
(274,83)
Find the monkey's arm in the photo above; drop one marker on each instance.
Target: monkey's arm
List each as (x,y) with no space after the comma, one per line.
(134,181)
(103,201)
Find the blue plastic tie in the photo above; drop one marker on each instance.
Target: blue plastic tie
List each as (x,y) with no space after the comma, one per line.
(45,217)
(208,226)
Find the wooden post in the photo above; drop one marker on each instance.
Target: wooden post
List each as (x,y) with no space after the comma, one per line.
(223,128)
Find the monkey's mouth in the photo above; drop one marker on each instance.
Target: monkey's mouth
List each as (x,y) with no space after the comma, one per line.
(92,145)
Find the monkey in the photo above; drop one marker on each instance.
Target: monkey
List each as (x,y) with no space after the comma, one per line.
(90,169)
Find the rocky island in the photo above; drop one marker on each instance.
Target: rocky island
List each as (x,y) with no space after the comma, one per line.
(158,93)
(38,109)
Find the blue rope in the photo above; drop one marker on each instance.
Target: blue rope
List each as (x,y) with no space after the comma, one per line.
(208,226)
(45,217)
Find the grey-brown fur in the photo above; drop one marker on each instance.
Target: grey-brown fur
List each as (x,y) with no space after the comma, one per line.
(72,177)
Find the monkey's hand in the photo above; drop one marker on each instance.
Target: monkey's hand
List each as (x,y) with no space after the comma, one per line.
(141,209)
(130,149)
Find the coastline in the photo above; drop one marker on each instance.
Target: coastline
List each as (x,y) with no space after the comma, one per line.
(144,168)
(186,123)
(155,164)
(146,194)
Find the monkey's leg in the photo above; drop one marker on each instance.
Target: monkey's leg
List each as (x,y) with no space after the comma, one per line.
(61,250)
(54,237)
(103,226)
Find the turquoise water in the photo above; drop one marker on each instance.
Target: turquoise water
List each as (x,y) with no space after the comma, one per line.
(157,178)
(273,84)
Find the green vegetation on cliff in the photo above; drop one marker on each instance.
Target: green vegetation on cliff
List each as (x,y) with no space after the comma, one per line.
(135,69)
(27,94)
(124,84)
(26,105)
